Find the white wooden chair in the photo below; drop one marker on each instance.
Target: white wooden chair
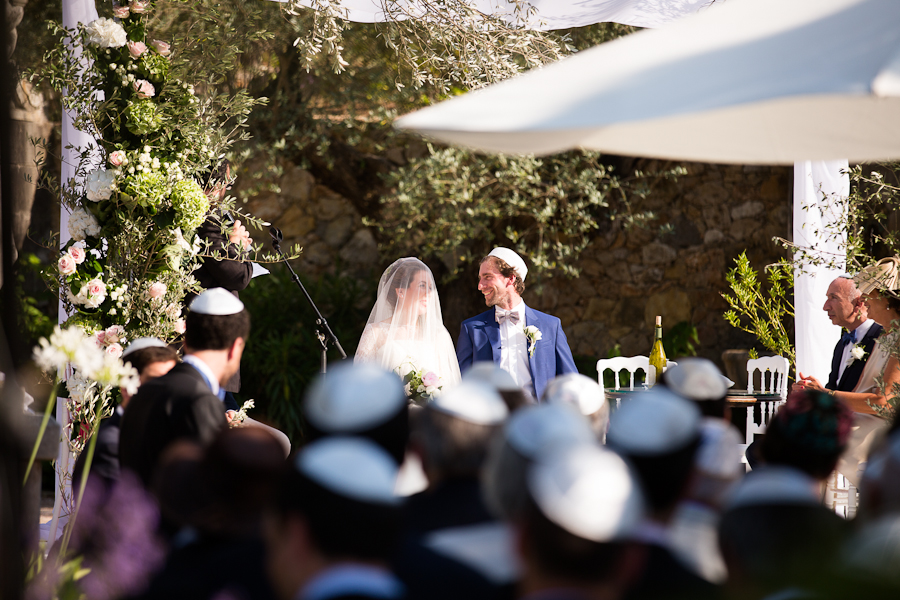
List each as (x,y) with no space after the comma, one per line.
(841,495)
(632,364)
(776,383)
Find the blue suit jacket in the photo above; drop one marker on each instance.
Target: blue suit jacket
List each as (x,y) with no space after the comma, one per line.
(479,340)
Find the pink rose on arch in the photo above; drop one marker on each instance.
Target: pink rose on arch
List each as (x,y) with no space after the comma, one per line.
(144,89)
(114,349)
(114,333)
(66,264)
(162,47)
(118,158)
(180,326)
(96,287)
(135,49)
(77,254)
(140,6)
(100,336)
(430,379)
(121,12)
(157,290)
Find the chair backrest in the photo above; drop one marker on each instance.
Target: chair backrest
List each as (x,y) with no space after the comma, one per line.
(626,363)
(776,383)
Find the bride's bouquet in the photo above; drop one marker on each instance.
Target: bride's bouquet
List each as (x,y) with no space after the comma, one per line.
(421,385)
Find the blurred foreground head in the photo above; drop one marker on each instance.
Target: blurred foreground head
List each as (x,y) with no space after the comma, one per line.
(659,433)
(453,432)
(361,400)
(584,394)
(501,381)
(530,434)
(582,505)
(335,504)
(700,381)
(809,432)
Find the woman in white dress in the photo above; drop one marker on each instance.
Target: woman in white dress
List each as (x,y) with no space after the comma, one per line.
(880,286)
(405,331)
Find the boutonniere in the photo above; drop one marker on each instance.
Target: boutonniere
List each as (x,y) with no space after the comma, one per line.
(857,352)
(532,334)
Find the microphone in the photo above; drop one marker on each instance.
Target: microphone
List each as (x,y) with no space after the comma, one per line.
(277,236)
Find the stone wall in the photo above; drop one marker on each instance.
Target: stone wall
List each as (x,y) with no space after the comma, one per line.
(628,277)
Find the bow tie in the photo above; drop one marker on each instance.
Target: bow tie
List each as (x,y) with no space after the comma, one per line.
(503,315)
(849,337)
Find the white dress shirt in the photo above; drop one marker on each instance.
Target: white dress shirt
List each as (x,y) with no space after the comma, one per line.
(860,332)
(514,348)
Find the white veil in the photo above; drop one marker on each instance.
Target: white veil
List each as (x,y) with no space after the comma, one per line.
(405,329)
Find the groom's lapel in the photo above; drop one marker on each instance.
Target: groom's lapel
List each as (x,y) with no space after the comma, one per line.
(531,318)
(492,329)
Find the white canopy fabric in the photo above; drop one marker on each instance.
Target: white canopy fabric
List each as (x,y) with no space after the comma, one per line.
(547,15)
(747,82)
(817,215)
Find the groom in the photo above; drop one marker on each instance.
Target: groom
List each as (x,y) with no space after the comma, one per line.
(499,334)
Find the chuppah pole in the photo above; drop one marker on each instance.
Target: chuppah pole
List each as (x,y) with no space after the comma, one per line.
(323,330)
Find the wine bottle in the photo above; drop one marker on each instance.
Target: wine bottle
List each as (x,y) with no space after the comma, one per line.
(658,353)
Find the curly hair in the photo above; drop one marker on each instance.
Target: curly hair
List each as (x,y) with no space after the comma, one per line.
(506,270)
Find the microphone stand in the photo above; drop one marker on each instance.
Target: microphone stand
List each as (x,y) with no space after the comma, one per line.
(323,331)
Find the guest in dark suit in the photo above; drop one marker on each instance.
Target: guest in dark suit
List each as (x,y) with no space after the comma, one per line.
(334,523)
(186,402)
(845,308)
(499,334)
(659,433)
(152,358)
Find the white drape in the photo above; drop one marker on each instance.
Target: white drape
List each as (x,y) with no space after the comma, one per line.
(816,215)
(548,14)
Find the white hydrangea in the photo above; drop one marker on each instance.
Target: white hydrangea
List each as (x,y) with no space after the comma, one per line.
(106,33)
(100,185)
(83,224)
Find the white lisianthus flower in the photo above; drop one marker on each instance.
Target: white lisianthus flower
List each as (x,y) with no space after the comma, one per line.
(99,185)
(106,33)
(83,224)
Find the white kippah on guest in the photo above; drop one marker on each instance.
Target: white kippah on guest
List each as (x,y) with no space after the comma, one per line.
(535,431)
(512,259)
(353,398)
(775,484)
(142,343)
(653,423)
(696,379)
(351,467)
(487,372)
(719,454)
(216,301)
(578,390)
(588,491)
(473,402)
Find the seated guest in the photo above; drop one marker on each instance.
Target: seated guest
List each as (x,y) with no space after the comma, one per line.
(659,433)
(777,538)
(440,554)
(530,433)
(217,497)
(583,393)
(572,537)
(880,288)
(334,523)
(361,400)
(186,402)
(152,358)
(717,467)
(847,309)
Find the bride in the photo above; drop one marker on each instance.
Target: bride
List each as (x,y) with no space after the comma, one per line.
(405,332)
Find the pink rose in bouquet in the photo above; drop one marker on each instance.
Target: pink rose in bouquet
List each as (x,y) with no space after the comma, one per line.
(430,379)
(77,254)
(135,49)
(144,89)
(66,264)
(162,47)
(118,158)
(140,6)
(157,290)
(121,12)
(114,350)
